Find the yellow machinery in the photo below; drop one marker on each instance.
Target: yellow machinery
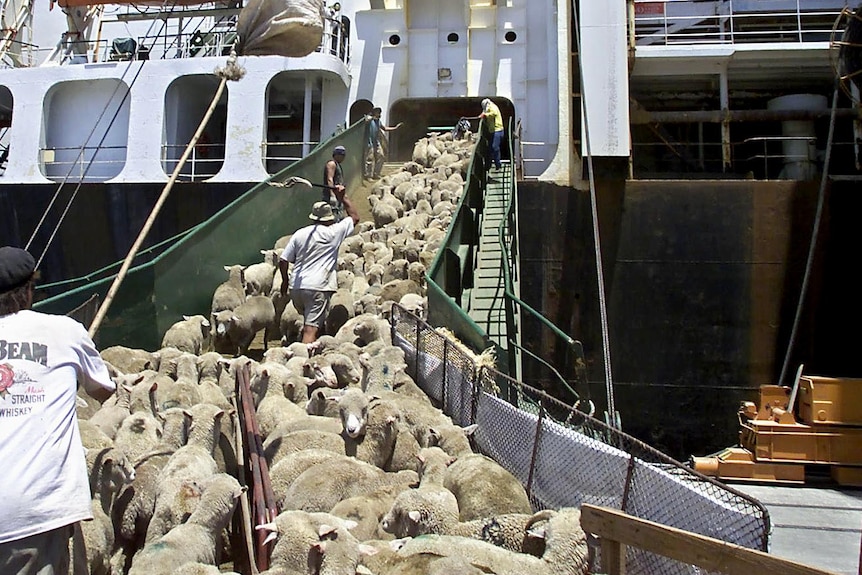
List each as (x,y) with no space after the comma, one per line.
(816,422)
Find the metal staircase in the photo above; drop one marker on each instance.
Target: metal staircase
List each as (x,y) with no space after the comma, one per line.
(486,301)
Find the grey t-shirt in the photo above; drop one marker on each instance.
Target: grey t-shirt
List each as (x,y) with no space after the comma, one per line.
(313,251)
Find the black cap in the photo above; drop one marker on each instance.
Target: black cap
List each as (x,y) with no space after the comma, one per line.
(16,267)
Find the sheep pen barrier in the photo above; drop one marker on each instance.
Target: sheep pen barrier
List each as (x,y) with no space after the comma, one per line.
(548,455)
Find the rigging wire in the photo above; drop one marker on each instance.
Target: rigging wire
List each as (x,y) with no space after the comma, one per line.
(606,352)
(87,141)
(815,232)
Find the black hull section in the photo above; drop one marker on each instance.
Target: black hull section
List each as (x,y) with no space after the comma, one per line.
(702,282)
(102,221)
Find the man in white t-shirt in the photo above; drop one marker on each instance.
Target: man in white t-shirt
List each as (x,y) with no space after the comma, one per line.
(313,251)
(42,359)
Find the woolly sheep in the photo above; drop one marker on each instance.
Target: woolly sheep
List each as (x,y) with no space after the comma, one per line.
(277,446)
(196,540)
(286,470)
(367,510)
(138,434)
(93,543)
(109,417)
(434,510)
(307,539)
(230,293)
(235,330)
(194,461)
(127,359)
(565,547)
(484,488)
(190,334)
(341,306)
(320,487)
(137,501)
(259,276)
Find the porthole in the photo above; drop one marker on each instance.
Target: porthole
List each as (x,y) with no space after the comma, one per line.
(511,36)
(452,38)
(394,40)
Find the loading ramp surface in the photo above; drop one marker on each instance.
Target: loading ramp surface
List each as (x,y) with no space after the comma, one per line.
(486,298)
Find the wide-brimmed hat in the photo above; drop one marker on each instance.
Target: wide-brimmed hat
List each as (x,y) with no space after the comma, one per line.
(321,212)
(16,267)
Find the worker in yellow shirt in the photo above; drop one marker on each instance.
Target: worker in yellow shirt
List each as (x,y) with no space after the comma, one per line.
(494,123)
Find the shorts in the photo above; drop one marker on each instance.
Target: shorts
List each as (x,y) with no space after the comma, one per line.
(41,554)
(312,304)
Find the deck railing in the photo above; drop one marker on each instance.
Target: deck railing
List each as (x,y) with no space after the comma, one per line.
(672,22)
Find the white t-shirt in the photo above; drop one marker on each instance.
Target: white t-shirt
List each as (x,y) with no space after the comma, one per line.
(42,357)
(313,251)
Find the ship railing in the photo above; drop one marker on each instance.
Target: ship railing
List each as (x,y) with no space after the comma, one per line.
(729,22)
(204,161)
(278,155)
(82,163)
(195,37)
(757,157)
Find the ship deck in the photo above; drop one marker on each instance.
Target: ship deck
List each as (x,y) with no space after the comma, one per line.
(817,526)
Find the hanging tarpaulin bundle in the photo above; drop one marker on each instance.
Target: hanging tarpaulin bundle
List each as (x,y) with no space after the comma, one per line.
(291,28)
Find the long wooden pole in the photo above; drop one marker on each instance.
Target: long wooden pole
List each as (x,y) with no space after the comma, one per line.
(127,263)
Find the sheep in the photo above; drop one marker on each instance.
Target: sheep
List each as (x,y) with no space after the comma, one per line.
(259,276)
(189,335)
(230,293)
(286,470)
(341,306)
(196,540)
(565,547)
(320,402)
(415,304)
(367,510)
(343,366)
(379,371)
(377,445)
(276,446)
(433,509)
(274,407)
(396,289)
(313,543)
(194,461)
(484,488)
(235,330)
(290,324)
(92,436)
(109,417)
(353,412)
(138,434)
(137,501)
(320,487)
(127,359)
(381,212)
(93,542)
(185,391)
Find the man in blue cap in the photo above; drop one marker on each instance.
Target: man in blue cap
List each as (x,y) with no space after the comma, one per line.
(43,358)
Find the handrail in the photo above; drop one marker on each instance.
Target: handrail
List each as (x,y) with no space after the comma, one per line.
(681,23)
(617,530)
(507,261)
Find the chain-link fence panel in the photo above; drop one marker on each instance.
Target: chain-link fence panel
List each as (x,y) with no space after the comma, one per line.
(565,458)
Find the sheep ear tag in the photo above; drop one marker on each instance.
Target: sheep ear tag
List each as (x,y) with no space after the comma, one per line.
(414,516)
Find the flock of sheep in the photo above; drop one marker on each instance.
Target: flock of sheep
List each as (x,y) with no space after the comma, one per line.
(360,460)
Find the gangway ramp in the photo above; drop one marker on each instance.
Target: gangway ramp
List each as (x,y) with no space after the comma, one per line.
(486,299)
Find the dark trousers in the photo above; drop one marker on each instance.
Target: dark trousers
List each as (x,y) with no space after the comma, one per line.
(494,149)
